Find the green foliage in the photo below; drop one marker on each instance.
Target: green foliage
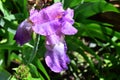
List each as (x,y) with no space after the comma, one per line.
(94,51)
(4,75)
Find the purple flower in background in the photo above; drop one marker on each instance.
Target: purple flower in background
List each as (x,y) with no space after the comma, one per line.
(53,22)
(23,33)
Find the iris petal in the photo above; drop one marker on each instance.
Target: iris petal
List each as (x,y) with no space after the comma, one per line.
(23,33)
(47,28)
(68,16)
(38,17)
(52,39)
(56,57)
(54,11)
(68,29)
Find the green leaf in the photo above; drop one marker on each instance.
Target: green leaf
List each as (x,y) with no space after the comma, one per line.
(3,9)
(111,32)
(95,30)
(2,62)
(93,0)
(92,30)
(14,56)
(25,8)
(4,75)
(41,67)
(56,1)
(35,79)
(2,22)
(33,70)
(88,9)
(10,47)
(6,13)
(35,73)
(71,3)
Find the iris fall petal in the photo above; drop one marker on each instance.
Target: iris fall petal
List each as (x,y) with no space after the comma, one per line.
(56,57)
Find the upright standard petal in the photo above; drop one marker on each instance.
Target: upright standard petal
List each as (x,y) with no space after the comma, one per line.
(47,20)
(56,57)
(68,16)
(54,11)
(38,17)
(23,33)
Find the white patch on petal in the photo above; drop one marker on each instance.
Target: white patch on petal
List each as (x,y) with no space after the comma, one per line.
(59,48)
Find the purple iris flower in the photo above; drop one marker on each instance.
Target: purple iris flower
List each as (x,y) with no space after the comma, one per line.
(53,22)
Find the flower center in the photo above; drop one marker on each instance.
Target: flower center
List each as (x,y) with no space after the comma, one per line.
(59,16)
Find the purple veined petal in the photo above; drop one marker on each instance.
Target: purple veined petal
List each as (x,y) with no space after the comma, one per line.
(39,17)
(33,11)
(65,45)
(68,29)
(47,14)
(43,24)
(55,38)
(47,28)
(54,11)
(34,15)
(70,12)
(56,58)
(23,33)
(68,16)
(52,39)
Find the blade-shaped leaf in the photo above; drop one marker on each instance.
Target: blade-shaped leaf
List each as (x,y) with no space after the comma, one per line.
(88,9)
(41,68)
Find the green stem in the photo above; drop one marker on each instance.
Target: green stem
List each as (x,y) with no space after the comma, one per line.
(32,56)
